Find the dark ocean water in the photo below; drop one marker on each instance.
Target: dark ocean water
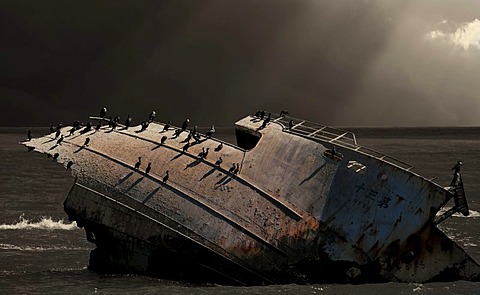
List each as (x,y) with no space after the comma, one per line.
(42,253)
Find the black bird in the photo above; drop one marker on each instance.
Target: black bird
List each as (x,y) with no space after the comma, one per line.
(164,138)
(219,147)
(232,168)
(72,131)
(76,124)
(55,156)
(236,169)
(290,124)
(59,141)
(139,162)
(149,167)
(52,129)
(57,134)
(210,132)
(144,125)
(219,161)
(266,121)
(59,126)
(88,127)
(187,139)
(69,164)
(185,147)
(165,128)
(87,140)
(457,166)
(262,114)
(152,116)
(165,178)
(99,125)
(29,135)
(103,112)
(283,113)
(204,153)
(177,133)
(128,122)
(185,124)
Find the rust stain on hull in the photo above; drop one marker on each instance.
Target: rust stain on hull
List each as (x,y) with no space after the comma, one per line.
(295,202)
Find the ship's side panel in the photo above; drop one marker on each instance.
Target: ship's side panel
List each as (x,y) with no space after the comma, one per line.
(382,212)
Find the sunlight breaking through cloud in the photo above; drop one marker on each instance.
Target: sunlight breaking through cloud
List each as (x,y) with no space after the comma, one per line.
(465,35)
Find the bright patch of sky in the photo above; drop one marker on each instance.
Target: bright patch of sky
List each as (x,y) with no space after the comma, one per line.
(465,35)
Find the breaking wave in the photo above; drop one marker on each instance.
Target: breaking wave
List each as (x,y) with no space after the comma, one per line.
(473,214)
(38,248)
(45,223)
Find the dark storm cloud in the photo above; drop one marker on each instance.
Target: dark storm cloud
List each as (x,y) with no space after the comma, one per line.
(337,62)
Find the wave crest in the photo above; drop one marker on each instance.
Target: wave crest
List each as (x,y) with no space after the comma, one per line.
(473,214)
(45,223)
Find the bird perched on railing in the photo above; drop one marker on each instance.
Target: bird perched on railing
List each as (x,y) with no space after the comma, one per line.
(457,167)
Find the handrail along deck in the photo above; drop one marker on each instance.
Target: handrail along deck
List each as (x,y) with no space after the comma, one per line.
(346,139)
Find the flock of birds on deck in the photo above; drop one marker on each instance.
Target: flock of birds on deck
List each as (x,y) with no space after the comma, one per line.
(114,122)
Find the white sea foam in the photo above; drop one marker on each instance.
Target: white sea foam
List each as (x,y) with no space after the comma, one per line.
(473,214)
(45,223)
(38,248)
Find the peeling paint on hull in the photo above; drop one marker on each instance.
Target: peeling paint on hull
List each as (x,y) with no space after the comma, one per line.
(301,205)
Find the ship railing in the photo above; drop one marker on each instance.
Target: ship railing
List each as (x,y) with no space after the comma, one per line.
(321,133)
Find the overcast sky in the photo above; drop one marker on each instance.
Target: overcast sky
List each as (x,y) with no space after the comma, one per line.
(336,62)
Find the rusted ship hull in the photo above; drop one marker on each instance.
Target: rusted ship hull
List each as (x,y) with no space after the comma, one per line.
(305,204)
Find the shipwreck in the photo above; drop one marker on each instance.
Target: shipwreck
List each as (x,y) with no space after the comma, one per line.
(292,202)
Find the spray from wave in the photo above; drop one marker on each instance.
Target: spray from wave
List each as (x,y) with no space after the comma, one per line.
(40,248)
(473,214)
(45,223)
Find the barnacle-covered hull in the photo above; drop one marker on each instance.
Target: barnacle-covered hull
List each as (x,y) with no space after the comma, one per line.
(300,203)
